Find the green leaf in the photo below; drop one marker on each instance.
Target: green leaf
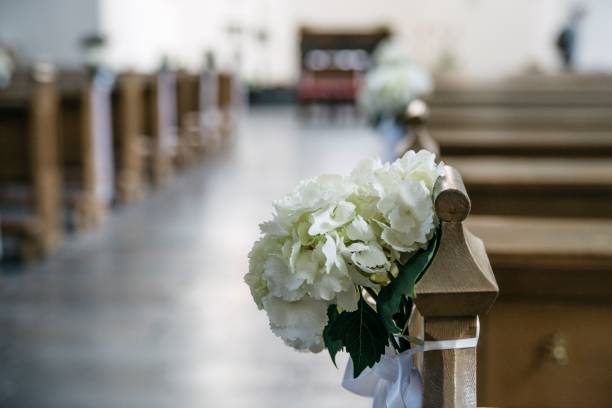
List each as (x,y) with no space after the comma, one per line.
(332,345)
(390,297)
(363,335)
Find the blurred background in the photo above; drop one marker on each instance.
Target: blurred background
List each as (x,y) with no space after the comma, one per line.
(143,141)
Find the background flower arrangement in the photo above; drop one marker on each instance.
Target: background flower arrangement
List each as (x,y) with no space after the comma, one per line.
(336,266)
(392,84)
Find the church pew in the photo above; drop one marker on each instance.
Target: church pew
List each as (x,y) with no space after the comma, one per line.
(457,289)
(546,342)
(85,146)
(188,115)
(128,136)
(527,90)
(160,118)
(227,102)
(198,112)
(521,117)
(554,274)
(516,185)
(570,187)
(527,142)
(30,182)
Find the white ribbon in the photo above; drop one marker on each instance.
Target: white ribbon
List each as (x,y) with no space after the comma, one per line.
(394,382)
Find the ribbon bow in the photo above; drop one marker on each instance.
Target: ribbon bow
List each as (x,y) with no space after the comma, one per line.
(394,382)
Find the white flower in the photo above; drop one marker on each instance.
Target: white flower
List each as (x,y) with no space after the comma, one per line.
(335,234)
(409,216)
(300,324)
(332,217)
(388,89)
(420,166)
(389,52)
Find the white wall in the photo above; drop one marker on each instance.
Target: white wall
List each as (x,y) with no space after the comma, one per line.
(48,30)
(595,38)
(140,32)
(484,38)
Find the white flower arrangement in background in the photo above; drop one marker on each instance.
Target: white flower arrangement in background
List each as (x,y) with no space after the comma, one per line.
(7,66)
(337,242)
(393,83)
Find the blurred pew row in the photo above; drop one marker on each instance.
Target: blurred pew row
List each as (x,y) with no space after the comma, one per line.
(73,144)
(536,158)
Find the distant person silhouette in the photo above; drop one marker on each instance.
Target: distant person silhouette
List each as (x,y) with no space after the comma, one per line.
(566,40)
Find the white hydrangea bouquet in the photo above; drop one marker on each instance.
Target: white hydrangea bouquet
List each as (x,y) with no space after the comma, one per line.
(336,266)
(392,84)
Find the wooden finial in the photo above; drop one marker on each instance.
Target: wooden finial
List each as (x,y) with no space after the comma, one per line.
(417,136)
(43,72)
(457,287)
(450,198)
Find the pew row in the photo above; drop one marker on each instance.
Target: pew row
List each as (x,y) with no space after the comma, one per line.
(535,143)
(543,187)
(160,118)
(457,288)
(128,137)
(228,100)
(527,90)
(85,146)
(198,114)
(521,117)
(30,181)
(546,341)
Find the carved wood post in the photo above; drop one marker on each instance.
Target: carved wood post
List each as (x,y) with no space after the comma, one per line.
(45,168)
(417,135)
(457,287)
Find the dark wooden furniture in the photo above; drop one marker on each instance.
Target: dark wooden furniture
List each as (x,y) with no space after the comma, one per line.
(30,181)
(128,136)
(161,126)
(333,63)
(525,142)
(521,117)
(85,146)
(538,187)
(227,102)
(536,90)
(457,288)
(546,342)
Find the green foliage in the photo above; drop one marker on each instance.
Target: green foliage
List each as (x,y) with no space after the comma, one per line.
(364,333)
(332,345)
(361,333)
(390,297)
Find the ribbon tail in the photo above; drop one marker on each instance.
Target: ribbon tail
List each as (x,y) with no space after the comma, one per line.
(407,390)
(365,385)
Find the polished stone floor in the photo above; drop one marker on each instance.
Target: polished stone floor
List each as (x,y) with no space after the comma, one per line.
(150,310)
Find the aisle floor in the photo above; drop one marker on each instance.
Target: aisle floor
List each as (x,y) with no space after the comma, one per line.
(150,309)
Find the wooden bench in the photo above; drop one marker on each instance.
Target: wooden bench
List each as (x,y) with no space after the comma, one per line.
(555,276)
(546,186)
(30,182)
(457,288)
(527,90)
(85,146)
(538,187)
(200,119)
(526,142)
(160,116)
(521,117)
(188,115)
(547,340)
(228,102)
(128,136)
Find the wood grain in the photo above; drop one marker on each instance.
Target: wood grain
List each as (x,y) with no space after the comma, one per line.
(524,142)
(458,286)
